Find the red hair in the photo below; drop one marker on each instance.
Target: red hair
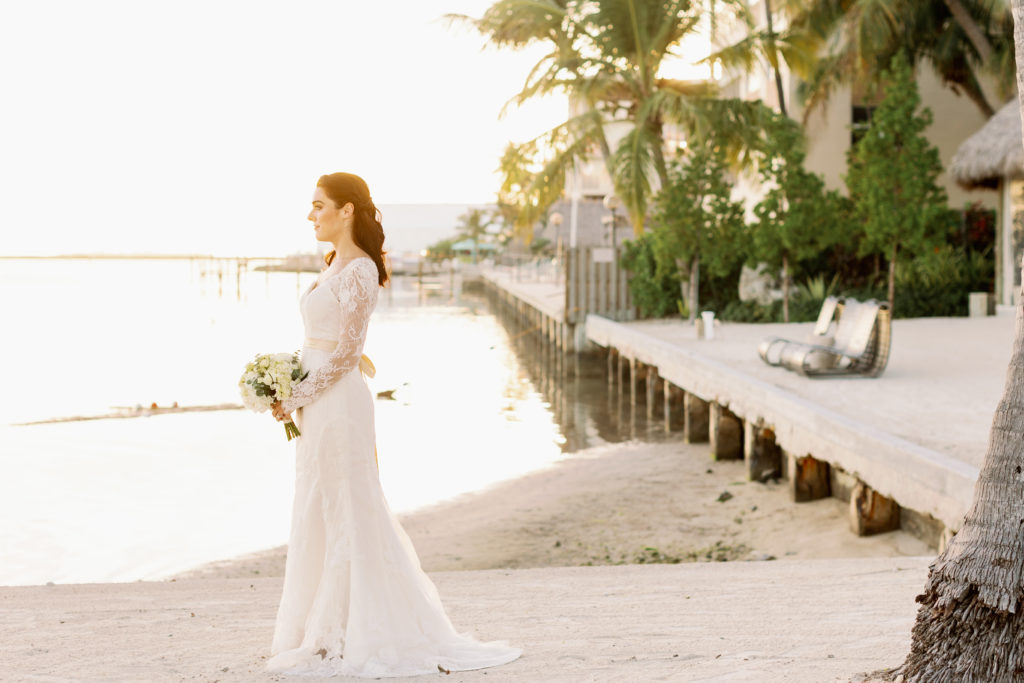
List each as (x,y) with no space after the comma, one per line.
(367,231)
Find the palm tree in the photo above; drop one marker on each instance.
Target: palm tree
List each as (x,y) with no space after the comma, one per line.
(796,47)
(473,225)
(606,55)
(962,40)
(970,626)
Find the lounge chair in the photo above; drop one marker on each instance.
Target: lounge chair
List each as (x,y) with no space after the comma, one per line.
(860,344)
(771,347)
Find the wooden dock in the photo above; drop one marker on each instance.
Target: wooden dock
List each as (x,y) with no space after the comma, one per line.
(903,449)
(591,282)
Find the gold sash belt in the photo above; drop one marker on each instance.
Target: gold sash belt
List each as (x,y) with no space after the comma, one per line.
(365,365)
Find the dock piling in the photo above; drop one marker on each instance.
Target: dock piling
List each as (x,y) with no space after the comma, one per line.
(725,432)
(761,455)
(632,384)
(695,419)
(650,382)
(871,512)
(808,478)
(667,404)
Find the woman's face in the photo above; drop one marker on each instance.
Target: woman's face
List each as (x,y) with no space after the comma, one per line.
(329,221)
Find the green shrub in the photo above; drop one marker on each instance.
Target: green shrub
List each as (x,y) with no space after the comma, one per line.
(655,295)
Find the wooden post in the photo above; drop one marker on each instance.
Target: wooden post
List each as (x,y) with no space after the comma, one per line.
(808,478)
(652,379)
(632,384)
(871,512)
(695,419)
(725,432)
(667,404)
(611,367)
(620,380)
(761,455)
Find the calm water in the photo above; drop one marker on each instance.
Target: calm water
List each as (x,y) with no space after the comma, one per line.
(124,499)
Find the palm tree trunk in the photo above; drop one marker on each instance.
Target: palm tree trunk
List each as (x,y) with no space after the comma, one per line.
(771,48)
(973,90)
(970,27)
(659,153)
(970,625)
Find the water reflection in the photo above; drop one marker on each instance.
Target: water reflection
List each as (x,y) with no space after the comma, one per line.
(585,399)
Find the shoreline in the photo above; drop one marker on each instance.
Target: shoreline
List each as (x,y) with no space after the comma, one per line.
(632,503)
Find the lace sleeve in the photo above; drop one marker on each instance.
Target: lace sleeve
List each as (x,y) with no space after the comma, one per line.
(356,290)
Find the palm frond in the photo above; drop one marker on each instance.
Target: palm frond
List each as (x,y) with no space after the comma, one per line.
(632,169)
(740,56)
(516,23)
(534,172)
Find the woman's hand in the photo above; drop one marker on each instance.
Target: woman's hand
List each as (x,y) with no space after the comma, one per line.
(279,414)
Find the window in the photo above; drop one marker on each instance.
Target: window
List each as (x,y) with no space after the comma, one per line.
(860,117)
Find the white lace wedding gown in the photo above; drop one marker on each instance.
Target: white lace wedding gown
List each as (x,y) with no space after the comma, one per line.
(355,600)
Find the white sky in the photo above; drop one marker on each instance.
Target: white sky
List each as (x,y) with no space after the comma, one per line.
(202,126)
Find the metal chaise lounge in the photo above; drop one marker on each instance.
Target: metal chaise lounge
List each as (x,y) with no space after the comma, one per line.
(863,336)
(770,348)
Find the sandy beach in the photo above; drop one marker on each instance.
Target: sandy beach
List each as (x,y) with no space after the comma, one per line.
(624,503)
(701,582)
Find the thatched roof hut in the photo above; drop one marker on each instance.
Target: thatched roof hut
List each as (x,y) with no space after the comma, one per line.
(993,153)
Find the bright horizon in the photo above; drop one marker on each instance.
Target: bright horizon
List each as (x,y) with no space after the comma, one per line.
(199,127)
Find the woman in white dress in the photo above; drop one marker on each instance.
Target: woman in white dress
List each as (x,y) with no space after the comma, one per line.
(355,599)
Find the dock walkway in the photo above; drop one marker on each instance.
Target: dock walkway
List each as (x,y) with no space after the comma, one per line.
(916,435)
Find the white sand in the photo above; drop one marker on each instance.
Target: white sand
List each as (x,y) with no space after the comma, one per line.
(608,504)
(785,620)
(816,620)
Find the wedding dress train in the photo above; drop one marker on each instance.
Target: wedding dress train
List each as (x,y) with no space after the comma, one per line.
(355,599)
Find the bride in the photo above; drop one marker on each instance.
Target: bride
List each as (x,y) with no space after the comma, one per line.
(355,599)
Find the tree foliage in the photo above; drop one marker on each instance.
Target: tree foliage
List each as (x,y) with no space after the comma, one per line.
(962,40)
(606,55)
(892,175)
(473,225)
(796,218)
(654,293)
(695,221)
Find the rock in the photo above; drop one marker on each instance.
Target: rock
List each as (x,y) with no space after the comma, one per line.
(724,496)
(761,557)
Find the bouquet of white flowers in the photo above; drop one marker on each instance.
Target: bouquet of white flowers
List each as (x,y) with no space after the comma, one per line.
(268,378)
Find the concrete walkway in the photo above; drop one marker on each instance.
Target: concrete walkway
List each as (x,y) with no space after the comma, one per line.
(814,621)
(917,434)
(940,389)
